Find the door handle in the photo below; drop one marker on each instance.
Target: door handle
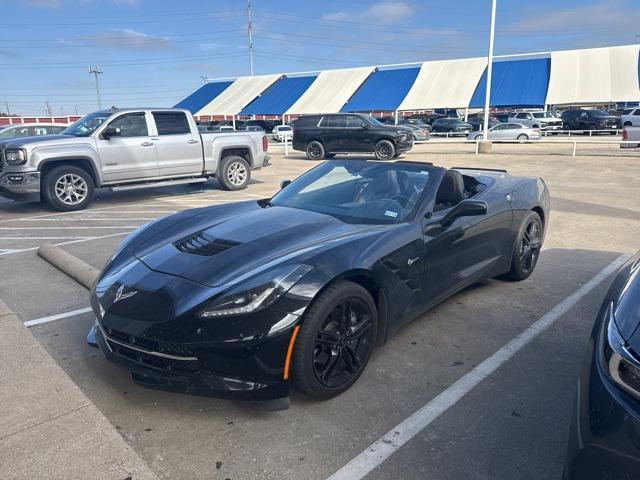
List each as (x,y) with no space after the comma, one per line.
(146,144)
(192,141)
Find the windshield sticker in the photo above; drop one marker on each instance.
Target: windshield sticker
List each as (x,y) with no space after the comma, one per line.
(391,214)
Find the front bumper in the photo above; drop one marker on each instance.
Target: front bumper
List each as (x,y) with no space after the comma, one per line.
(404,145)
(146,322)
(604,440)
(22,186)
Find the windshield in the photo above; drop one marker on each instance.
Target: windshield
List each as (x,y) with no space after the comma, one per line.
(87,124)
(374,121)
(358,191)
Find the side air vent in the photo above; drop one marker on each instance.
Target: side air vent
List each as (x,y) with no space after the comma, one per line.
(203,244)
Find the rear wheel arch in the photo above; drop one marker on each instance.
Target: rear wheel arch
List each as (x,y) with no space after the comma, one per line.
(243,152)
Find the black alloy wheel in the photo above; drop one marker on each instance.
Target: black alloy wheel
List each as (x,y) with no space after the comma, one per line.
(342,343)
(335,340)
(384,150)
(527,248)
(315,150)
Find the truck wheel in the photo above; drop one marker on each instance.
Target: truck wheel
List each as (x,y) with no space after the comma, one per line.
(67,188)
(384,150)
(315,150)
(234,173)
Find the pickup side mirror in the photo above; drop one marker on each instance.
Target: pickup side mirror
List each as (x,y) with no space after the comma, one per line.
(365,125)
(284,184)
(110,132)
(466,208)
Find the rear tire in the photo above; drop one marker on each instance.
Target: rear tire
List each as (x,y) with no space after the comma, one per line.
(344,336)
(384,150)
(315,150)
(527,247)
(523,137)
(68,188)
(234,173)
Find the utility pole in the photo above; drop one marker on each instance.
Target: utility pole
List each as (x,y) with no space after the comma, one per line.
(8,109)
(250,32)
(96,70)
(48,108)
(487,96)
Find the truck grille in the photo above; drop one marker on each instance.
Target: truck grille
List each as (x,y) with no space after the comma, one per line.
(203,244)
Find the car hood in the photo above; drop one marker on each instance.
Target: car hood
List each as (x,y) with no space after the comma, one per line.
(238,239)
(393,128)
(21,142)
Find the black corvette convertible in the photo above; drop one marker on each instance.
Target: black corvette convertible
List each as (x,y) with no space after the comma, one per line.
(239,300)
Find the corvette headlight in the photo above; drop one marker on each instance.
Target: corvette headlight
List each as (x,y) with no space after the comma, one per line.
(616,359)
(256,295)
(15,156)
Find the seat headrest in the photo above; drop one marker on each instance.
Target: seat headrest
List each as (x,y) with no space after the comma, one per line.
(451,189)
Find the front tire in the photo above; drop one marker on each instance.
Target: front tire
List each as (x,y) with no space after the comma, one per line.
(68,188)
(335,341)
(234,173)
(315,150)
(384,150)
(527,247)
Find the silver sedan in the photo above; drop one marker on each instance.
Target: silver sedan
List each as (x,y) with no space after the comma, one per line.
(508,132)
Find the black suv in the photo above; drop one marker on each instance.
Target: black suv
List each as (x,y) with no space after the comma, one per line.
(322,136)
(580,119)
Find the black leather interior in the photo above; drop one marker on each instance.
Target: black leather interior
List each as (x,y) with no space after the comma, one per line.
(451,191)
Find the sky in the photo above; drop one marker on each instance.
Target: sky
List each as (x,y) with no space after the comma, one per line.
(154,52)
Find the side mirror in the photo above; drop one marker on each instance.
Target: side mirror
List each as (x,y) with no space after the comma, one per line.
(284,184)
(466,208)
(365,125)
(110,132)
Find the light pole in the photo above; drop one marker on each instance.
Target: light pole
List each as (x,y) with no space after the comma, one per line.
(250,32)
(487,96)
(96,70)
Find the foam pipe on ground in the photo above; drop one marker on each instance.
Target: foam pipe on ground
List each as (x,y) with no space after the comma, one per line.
(81,272)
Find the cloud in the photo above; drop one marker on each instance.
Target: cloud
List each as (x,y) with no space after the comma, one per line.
(132,40)
(606,18)
(387,11)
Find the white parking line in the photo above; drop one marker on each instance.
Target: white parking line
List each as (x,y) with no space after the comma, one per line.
(379,451)
(82,239)
(60,316)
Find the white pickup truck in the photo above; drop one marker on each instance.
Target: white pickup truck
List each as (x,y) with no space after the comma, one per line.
(126,149)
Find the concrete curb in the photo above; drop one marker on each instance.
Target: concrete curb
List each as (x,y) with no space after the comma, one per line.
(48,427)
(81,272)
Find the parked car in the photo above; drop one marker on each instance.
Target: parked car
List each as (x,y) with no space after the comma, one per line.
(603,441)
(502,117)
(508,131)
(222,128)
(245,300)
(582,119)
(125,149)
(322,136)
(30,130)
(386,120)
(545,121)
(282,132)
(451,125)
(417,122)
(255,128)
(266,125)
(630,134)
(428,118)
(630,117)
(477,122)
(420,134)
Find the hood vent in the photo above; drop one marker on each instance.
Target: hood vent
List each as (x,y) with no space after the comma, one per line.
(203,244)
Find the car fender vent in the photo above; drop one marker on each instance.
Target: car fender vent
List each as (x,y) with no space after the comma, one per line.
(204,244)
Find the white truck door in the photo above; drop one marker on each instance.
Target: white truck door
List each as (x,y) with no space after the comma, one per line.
(179,149)
(131,154)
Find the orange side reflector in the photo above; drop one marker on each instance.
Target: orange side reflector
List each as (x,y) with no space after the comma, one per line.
(287,361)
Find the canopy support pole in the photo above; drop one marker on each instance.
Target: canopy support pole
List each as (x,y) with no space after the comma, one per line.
(466,114)
(486,147)
(233,121)
(396,116)
(283,122)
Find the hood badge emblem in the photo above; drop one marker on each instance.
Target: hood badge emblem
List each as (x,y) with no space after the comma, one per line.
(120,295)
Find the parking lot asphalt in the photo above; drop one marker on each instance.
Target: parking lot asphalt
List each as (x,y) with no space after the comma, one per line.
(513,424)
